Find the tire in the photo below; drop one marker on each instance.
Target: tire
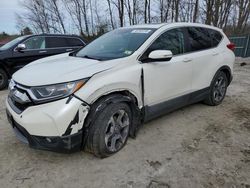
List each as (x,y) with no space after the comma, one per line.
(106,135)
(218,89)
(3,79)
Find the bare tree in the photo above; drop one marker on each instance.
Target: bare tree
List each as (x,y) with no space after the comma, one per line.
(243,16)
(56,14)
(36,15)
(89,16)
(92,17)
(84,12)
(196,9)
(78,12)
(120,7)
(111,14)
(132,10)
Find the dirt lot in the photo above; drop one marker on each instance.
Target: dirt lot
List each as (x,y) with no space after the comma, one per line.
(197,146)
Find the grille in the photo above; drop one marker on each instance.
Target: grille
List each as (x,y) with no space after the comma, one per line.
(17,105)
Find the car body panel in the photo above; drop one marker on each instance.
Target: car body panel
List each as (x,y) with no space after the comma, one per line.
(160,79)
(126,76)
(51,119)
(47,71)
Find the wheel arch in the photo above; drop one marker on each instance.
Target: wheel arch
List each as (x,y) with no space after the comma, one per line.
(2,66)
(227,70)
(113,97)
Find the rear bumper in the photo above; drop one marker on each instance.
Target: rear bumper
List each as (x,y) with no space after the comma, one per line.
(62,144)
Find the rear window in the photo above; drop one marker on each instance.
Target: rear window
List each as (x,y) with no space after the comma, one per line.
(74,42)
(199,38)
(215,37)
(56,42)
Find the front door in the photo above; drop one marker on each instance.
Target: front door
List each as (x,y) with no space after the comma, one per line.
(167,80)
(35,49)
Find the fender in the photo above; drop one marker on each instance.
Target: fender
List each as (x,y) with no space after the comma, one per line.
(115,88)
(5,68)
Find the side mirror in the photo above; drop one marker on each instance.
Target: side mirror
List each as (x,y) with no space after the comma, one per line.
(20,47)
(160,55)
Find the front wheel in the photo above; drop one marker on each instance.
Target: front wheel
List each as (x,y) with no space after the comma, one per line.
(3,79)
(110,130)
(218,89)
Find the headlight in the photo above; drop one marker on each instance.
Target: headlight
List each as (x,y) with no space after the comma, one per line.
(57,91)
(11,84)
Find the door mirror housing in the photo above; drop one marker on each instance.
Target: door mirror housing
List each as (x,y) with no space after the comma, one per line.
(160,55)
(20,47)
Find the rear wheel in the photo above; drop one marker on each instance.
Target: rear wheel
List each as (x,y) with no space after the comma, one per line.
(218,89)
(110,130)
(3,79)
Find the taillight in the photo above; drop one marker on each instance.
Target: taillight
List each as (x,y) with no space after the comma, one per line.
(231,46)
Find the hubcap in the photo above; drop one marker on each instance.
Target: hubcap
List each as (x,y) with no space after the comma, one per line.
(117,131)
(219,89)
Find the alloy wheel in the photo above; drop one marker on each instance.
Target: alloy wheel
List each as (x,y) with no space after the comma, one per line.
(117,131)
(219,89)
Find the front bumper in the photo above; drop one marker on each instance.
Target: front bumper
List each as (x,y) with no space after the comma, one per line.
(64,144)
(55,126)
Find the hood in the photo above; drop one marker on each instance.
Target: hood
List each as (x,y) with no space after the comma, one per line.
(59,69)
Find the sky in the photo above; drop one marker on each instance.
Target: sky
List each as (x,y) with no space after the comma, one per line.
(8,8)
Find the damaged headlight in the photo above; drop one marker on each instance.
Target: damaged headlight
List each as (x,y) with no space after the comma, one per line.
(57,91)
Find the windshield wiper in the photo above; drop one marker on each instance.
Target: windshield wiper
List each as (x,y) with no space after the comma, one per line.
(89,57)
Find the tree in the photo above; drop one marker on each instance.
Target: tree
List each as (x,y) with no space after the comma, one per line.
(77,10)
(243,15)
(44,16)
(26,31)
(56,14)
(88,17)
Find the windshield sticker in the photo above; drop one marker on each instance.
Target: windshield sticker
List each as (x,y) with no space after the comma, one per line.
(127,52)
(141,31)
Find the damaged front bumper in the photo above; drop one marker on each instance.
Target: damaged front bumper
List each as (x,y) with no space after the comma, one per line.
(55,126)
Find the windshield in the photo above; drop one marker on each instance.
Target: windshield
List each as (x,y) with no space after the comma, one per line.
(11,43)
(116,44)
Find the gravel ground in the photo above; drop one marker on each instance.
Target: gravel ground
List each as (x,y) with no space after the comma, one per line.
(196,146)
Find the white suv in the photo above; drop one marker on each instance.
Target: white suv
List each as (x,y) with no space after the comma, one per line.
(99,96)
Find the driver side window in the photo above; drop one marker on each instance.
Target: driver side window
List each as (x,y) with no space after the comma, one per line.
(172,40)
(35,43)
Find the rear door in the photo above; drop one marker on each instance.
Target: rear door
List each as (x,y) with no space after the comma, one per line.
(205,56)
(56,45)
(35,49)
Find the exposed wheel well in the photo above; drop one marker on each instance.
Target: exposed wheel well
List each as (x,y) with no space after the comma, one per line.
(228,74)
(123,93)
(227,71)
(117,96)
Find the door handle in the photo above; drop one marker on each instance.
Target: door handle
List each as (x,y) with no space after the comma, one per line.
(44,51)
(187,60)
(67,50)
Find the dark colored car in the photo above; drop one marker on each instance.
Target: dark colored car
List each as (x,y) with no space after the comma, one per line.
(25,49)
